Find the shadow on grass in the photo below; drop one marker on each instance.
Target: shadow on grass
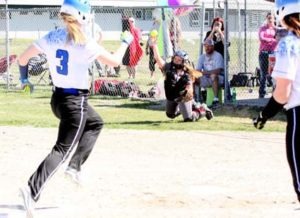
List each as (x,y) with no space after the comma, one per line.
(145,122)
(243,111)
(133,106)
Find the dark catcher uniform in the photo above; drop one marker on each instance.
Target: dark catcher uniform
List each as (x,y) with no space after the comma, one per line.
(175,89)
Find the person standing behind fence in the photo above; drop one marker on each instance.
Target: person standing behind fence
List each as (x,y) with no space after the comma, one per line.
(267,46)
(149,46)
(217,35)
(69,51)
(286,94)
(134,52)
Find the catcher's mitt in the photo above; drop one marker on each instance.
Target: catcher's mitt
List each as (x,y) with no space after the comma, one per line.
(186,94)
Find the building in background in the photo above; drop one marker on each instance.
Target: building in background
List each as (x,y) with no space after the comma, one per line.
(32,18)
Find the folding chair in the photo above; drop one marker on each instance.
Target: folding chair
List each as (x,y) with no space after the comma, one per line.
(4,67)
(37,66)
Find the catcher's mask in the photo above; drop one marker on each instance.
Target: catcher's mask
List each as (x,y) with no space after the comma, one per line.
(181,54)
(80,9)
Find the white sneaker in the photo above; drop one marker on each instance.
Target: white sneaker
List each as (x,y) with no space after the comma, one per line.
(74,174)
(28,201)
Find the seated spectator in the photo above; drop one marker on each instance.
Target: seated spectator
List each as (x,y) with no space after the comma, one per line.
(212,65)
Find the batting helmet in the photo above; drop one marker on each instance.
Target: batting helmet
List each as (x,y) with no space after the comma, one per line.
(80,9)
(286,7)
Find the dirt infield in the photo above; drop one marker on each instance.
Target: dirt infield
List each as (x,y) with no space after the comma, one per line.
(152,174)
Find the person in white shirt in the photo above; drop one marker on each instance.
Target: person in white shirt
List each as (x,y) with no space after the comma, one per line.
(286,95)
(69,51)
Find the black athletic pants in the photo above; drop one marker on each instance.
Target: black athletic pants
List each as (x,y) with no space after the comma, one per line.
(79,123)
(293,146)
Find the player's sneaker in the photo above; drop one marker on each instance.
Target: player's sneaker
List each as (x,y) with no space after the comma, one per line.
(215,104)
(208,112)
(74,175)
(27,87)
(28,201)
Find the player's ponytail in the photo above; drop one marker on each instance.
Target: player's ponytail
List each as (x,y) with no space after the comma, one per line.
(74,30)
(292,21)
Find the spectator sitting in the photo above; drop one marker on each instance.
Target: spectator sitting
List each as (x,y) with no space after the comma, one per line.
(212,65)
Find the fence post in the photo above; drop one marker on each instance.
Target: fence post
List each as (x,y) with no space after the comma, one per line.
(7,43)
(226,85)
(245,37)
(202,29)
(93,64)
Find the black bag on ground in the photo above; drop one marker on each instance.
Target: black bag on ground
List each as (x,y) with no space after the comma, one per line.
(240,80)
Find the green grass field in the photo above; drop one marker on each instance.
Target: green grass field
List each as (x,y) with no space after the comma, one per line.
(20,109)
(34,110)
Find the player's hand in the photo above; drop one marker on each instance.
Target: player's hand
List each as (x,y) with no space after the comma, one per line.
(259,122)
(126,37)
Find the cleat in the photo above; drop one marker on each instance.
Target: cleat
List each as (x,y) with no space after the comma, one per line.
(28,201)
(208,112)
(27,87)
(74,175)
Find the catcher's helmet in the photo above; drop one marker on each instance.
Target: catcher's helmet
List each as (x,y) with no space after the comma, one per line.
(286,7)
(80,9)
(182,54)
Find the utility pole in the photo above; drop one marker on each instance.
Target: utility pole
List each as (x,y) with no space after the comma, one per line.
(7,44)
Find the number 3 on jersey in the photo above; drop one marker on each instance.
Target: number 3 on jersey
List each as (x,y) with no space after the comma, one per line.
(63,55)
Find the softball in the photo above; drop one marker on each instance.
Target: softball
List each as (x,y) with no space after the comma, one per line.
(153,33)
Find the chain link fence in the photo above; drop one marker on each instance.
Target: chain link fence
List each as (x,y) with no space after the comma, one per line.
(20,27)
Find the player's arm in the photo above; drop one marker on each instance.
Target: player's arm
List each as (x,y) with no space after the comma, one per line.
(210,72)
(283,90)
(276,102)
(160,62)
(115,59)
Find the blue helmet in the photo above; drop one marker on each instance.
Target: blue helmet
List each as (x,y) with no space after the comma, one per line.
(80,9)
(286,7)
(182,54)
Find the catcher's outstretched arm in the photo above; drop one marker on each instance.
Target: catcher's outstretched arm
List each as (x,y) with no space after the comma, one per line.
(160,62)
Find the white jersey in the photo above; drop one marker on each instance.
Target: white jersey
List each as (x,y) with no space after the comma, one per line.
(68,63)
(287,66)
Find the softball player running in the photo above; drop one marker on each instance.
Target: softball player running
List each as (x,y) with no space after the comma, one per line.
(70,51)
(287,91)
